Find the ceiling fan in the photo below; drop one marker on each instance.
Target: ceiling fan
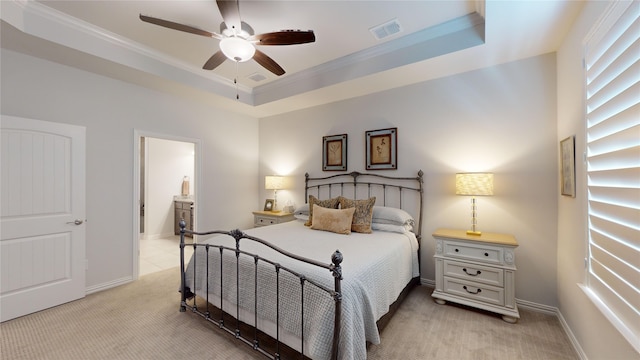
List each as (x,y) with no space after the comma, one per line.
(237,39)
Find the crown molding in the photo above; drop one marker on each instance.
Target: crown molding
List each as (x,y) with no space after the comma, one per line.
(39,20)
(454,35)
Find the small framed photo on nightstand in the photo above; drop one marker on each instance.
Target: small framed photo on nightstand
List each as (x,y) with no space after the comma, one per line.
(268,205)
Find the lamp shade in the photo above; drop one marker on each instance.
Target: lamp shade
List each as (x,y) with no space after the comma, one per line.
(237,49)
(474,184)
(272,182)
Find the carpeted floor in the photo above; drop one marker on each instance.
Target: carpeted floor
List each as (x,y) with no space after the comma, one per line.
(141,321)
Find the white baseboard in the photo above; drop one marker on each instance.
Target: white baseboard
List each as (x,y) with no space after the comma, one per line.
(108,285)
(427,282)
(572,338)
(552,310)
(541,308)
(157,236)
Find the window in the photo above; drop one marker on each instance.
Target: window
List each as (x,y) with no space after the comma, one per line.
(612,70)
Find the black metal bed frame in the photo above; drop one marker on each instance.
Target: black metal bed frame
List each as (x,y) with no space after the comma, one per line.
(336,293)
(334,268)
(328,182)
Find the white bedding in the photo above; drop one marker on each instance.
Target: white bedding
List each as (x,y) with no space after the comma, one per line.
(375,269)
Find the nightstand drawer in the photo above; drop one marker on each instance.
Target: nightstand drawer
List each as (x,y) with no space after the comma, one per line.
(264,221)
(470,290)
(266,218)
(474,272)
(185,205)
(481,252)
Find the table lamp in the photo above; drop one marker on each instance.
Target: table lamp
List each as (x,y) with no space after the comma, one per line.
(275,183)
(474,184)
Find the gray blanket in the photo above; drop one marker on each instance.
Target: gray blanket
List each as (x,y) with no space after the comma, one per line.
(376,268)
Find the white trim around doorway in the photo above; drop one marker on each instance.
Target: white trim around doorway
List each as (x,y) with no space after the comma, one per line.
(135,238)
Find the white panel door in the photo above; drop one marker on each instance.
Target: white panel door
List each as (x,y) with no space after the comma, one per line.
(42,234)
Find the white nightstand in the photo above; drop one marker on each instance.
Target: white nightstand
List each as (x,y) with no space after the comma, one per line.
(264,218)
(477,271)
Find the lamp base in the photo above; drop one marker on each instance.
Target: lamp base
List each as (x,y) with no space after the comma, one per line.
(476,233)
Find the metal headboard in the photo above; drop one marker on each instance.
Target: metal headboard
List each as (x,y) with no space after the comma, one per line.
(348,184)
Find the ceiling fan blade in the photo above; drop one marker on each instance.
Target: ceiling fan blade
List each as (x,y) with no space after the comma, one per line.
(215,60)
(268,63)
(284,37)
(230,11)
(177,26)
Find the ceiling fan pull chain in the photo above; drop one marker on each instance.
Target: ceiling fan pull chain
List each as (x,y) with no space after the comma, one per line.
(235,81)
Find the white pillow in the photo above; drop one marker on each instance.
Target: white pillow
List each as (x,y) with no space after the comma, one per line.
(301,217)
(393,216)
(302,212)
(402,229)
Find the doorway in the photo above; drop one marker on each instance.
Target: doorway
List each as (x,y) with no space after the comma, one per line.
(163,164)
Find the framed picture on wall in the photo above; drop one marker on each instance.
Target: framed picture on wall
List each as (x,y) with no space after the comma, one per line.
(381,149)
(568,163)
(334,153)
(268,204)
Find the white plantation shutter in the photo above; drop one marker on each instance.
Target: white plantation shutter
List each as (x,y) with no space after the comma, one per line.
(612,65)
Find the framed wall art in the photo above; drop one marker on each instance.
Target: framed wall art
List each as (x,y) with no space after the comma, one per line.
(381,149)
(568,163)
(334,153)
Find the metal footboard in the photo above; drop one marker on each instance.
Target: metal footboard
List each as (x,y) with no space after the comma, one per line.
(239,329)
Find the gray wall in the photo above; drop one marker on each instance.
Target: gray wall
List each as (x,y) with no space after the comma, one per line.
(500,119)
(111,110)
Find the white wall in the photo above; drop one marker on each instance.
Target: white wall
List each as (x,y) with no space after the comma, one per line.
(500,119)
(168,162)
(598,338)
(111,110)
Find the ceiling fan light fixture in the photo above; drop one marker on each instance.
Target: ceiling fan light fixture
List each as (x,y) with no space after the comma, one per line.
(237,49)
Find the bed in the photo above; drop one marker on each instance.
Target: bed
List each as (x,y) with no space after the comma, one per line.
(293,290)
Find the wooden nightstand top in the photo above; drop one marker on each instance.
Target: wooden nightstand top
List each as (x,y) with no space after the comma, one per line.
(272,213)
(487,237)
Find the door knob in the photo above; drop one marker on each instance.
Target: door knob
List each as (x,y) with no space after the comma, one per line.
(76,222)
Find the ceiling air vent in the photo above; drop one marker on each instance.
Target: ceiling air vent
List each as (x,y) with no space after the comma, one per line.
(387,29)
(257,77)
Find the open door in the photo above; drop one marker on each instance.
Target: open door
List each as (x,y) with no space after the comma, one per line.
(42,240)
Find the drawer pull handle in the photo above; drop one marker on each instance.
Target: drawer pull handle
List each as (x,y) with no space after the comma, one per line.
(486,254)
(471,292)
(456,250)
(478,272)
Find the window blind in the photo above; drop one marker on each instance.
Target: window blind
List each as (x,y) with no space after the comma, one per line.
(612,70)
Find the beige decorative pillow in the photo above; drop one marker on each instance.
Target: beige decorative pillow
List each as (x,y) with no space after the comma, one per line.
(334,220)
(363,214)
(329,203)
